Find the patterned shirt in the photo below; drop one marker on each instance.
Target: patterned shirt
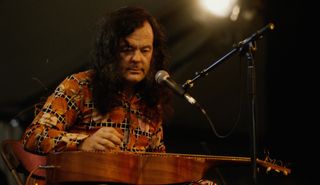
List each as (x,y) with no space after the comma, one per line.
(69,116)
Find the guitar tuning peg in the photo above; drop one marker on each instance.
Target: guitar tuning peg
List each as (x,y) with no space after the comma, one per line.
(268,169)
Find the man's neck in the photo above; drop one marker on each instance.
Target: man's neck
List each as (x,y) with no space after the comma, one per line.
(129,91)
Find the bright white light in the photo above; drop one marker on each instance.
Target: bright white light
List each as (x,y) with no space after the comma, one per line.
(235,13)
(221,8)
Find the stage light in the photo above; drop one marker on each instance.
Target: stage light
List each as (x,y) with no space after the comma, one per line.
(235,13)
(221,8)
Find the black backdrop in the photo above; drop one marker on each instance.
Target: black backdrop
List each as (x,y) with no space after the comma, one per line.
(44,41)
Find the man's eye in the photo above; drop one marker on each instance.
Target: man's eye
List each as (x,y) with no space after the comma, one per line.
(146,50)
(126,48)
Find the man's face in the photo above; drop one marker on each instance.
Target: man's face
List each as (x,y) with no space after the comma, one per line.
(136,54)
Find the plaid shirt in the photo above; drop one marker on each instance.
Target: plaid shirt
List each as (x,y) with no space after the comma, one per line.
(69,116)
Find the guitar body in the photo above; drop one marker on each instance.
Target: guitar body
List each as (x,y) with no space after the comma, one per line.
(123,167)
(137,168)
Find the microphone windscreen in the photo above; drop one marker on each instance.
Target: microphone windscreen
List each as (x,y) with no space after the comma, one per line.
(161,75)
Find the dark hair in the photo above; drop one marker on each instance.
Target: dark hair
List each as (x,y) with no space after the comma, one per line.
(107,79)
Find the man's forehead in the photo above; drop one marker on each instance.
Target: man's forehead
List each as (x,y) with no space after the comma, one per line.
(137,41)
(144,32)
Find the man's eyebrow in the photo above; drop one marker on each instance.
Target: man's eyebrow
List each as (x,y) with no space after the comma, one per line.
(124,42)
(147,46)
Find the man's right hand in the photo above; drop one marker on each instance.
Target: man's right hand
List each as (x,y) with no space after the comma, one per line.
(106,138)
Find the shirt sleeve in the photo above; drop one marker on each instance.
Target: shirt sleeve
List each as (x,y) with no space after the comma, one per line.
(49,130)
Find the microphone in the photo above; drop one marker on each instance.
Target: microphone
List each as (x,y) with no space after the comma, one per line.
(163,77)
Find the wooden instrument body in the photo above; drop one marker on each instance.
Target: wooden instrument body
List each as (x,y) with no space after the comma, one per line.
(123,167)
(138,168)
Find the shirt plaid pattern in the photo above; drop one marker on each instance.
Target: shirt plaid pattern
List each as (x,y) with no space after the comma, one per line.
(69,116)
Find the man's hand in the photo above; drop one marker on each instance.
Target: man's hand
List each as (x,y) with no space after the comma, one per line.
(105,138)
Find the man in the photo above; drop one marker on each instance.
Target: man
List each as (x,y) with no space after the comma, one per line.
(115,106)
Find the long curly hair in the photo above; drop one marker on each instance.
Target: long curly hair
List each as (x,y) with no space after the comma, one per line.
(107,80)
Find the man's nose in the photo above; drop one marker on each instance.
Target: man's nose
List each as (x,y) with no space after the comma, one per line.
(137,56)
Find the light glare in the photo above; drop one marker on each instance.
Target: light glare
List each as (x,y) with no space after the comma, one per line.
(221,8)
(235,13)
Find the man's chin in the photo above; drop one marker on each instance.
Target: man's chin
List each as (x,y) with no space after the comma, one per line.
(134,80)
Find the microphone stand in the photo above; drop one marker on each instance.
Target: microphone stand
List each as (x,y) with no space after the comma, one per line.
(251,74)
(246,46)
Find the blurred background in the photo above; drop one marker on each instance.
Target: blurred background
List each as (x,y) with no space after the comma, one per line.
(44,41)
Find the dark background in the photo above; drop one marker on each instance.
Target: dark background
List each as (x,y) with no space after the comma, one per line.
(42,42)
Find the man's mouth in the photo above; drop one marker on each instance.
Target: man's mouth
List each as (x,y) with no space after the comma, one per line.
(135,70)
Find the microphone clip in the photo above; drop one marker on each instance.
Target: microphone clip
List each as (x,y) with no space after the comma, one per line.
(187,85)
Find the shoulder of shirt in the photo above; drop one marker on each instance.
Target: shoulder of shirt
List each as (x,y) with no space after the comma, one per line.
(83,76)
